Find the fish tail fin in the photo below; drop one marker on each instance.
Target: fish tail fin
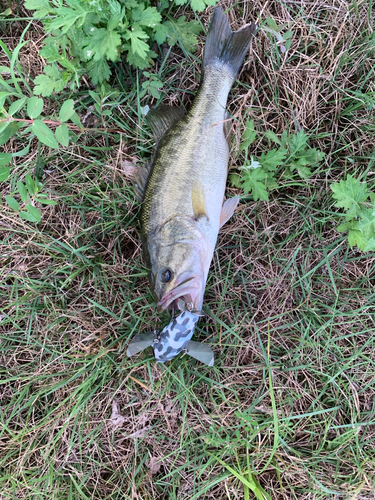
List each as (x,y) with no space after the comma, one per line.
(224,45)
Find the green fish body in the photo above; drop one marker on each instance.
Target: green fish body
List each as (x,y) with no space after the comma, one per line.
(183,190)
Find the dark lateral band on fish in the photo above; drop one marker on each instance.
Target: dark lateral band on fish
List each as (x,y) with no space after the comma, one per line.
(182,190)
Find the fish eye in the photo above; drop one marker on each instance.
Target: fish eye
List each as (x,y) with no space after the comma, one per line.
(166,275)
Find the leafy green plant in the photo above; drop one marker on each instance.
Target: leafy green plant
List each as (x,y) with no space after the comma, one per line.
(29,195)
(291,156)
(359,204)
(86,35)
(284,40)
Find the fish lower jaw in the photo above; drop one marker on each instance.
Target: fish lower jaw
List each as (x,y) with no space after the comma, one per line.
(189,295)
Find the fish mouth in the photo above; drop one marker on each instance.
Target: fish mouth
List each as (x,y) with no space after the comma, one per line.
(187,289)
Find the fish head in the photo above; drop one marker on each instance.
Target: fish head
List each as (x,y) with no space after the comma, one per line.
(179,271)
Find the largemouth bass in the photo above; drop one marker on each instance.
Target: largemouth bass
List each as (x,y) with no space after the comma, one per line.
(182,191)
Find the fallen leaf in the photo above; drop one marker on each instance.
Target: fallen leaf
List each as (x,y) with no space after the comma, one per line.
(129,167)
(116,419)
(154,465)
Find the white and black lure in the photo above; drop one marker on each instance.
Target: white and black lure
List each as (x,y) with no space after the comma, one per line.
(173,339)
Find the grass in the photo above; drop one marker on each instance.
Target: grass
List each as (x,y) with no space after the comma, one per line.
(288,408)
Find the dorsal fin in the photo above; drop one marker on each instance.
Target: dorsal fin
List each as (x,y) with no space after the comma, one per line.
(163,118)
(140,180)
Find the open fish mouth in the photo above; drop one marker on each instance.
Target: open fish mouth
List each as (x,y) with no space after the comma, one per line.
(188,290)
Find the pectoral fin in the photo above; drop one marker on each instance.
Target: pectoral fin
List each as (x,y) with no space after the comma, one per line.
(139,343)
(198,199)
(201,352)
(227,210)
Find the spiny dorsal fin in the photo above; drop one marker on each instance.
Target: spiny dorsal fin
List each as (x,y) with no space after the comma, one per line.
(227,210)
(163,117)
(140,180)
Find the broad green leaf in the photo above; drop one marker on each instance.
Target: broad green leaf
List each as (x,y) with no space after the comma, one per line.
(313,156)
(183,31)
(3,96)
(44,134)
(28,216)
(30,184)
(149,17)
(46,201)
(8,132)
(236,180)
(273,159)
(198,5)
(22,191)
(68,16)
(67,110)
(95,96)
(248,136)
(4,173)
(161,33)
(297,141)
(345,226)
(51,82)
(22,152)
(272,137)
(370,247)
(99,71)
(356,237)
(253,182)
(366,224)
(349,194)
(16,106)
(34,212)
(5,158)
(12,202)
(138,46)
(304,172)
(42,7)
(103,44)
(76,120)
(34,107)
(62,134)
(272,24)
(138,62)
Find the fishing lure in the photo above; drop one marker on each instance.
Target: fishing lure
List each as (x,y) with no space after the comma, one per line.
(174,339)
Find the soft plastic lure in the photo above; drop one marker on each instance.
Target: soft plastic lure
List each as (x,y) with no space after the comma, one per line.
(174,339)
